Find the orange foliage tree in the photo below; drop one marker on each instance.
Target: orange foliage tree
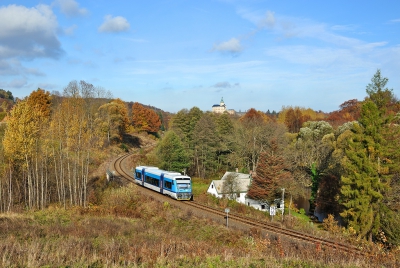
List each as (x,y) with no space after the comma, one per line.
(271,174)
(349,111)
(40,100)
(294,117)
(145,119)
(254,117)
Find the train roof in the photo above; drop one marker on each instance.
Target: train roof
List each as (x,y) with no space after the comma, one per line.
(157,171)
(146,167)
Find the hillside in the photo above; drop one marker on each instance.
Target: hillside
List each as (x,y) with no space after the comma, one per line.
(127,229)
(123,228)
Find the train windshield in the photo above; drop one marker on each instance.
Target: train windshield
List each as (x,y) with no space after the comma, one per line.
(183,186)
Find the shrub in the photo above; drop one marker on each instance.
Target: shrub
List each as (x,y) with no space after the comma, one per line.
(124,147)
(331,225)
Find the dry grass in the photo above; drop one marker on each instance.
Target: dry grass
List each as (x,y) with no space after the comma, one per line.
(130,230)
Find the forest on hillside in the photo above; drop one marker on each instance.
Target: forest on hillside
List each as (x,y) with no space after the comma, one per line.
(348,159)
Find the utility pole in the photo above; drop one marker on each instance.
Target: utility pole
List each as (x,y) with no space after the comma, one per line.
(283,201)
(227,211)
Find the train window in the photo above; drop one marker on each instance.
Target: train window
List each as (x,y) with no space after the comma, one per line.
(183,179)
(183,185)
(168,185)
(152,181)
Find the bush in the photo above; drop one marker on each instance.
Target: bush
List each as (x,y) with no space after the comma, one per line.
(331,225)
(2,115)
(124,147)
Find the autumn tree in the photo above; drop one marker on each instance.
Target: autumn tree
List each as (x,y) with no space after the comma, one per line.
(124,121)
(254,118)
(40,100)
(271,175)
(252,136)
(349,111)
(22,148)
(145,119)
(49,152)
(294,120)
(113,119)
(74,140)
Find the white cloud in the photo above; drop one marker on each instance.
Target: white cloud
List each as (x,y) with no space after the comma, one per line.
(47,86)
(70,30)
(70,8)
(18,83)
(262,20)
(268,20)
(231,46)
(223,85)
(344,28)
(28,32)
(13,67)
(114,24)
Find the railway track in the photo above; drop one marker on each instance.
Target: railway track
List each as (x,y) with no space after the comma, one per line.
(250,222)
(272,228)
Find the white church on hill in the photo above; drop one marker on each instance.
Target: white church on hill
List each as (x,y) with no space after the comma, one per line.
(221,108)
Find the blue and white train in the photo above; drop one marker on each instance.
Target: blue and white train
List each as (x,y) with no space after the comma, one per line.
(170,183)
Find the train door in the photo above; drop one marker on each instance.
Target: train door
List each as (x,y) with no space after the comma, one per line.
(142,176)
(161,182)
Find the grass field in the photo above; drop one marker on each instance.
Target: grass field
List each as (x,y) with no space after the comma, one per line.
(127,229)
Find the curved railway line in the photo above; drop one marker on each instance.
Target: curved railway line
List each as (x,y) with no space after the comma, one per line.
(250,222)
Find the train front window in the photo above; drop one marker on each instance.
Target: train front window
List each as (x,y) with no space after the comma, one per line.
(183,186)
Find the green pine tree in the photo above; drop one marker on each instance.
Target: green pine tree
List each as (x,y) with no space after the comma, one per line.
(172,153)
(366,164)
(360,190)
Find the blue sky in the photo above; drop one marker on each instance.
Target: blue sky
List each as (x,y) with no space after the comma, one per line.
(177,54)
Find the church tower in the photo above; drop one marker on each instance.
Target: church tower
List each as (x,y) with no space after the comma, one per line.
(219,108)
(222,104)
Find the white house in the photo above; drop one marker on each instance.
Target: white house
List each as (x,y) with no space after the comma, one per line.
(241,185)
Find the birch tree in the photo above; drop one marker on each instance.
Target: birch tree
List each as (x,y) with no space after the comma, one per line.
(21,146)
